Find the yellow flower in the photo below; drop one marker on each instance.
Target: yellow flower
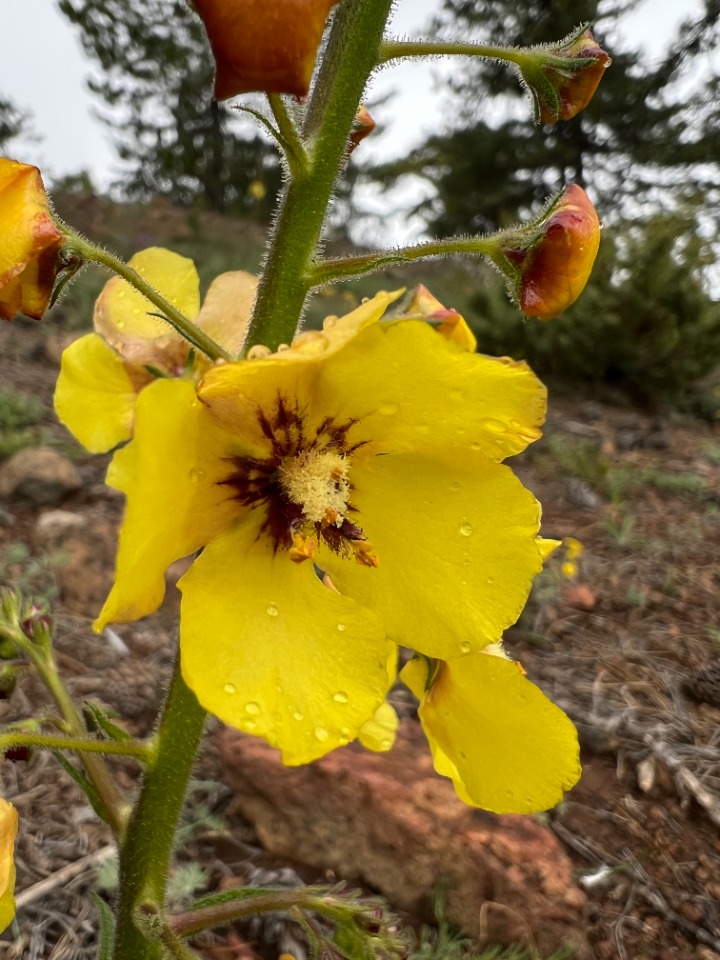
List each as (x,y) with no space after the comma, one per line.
(8,832)
(29,244)
(370,450)
(505,746)
(103,372)
(261,46)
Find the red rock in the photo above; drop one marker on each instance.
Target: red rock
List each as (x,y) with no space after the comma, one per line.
(580,596)
(390,822)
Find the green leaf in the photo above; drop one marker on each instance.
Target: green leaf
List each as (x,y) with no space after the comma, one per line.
(107,928)
(102,722)
(82,781)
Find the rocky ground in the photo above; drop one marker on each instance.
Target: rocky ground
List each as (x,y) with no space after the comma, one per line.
(628,643)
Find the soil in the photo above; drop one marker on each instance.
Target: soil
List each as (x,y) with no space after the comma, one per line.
(624,636)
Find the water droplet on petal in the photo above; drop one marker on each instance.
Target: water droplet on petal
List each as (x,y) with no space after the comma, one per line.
(120,324)
(465,647)
(299,716)
(136,312)
(466,529)
(230,688)
(341,627)
(249,725)
(321,734)
(494,426)
(491,581)
(455,486)
(388,409)
(252,708)
(272,610)
(196,475)
(386,743)
(340,697)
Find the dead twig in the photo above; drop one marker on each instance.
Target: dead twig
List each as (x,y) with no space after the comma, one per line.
(38,890)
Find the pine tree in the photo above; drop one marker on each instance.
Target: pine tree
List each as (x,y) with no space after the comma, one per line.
(13,123)
(156,82)
(641,132)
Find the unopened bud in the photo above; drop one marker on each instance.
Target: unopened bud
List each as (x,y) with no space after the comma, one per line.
(270,47)
(30,242)
(562,80)
(553,257)
(363,126)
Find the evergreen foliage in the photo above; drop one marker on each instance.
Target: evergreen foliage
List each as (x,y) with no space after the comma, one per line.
(156,80)
(13,122)
(643,136)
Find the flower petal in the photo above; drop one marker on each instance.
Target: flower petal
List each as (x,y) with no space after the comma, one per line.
(94,396)
(423,392)
(123,316)
(170,473)
(8,832)
(378,734)
(270,650)
(227,307)
(457,549)
(506,746)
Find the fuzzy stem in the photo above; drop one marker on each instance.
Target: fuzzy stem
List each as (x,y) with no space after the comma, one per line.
(343,268)
(399,49)
(295,154)
(123,748)
(82,248)
(351,54)
(145,855)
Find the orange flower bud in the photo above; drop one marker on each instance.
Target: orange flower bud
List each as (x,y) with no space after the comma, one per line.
(29,243)
(263,46)
(363,126)
(555,266)
(575,85)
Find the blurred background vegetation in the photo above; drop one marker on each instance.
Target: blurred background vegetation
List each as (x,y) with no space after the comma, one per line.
(646,148)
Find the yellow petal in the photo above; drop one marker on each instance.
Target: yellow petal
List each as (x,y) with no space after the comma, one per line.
(8,832)
(506,746)
(422,392)
(227,308)
(94,396)
(170,473)
(457,550)
(270,650)
(123,316)
(379,733)
(235,391)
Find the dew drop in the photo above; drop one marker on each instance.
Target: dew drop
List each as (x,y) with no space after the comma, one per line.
(230,688)
(491,581)
(120,324)
(252,708)
(321,734)
(386,744)
(466,529)
(196,475)
(455,486)
(136,311)
(298,716)
(340,697)
(272,610)
(341,627)
(249,725)
(465,647)
(388,409)
(494,426)
(476,447)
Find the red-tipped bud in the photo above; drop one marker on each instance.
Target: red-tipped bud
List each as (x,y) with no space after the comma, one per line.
(362,127)
(554,266)
(270,47)
(30,242)
(563,80)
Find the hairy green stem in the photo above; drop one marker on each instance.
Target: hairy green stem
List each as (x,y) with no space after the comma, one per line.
(115,807)
(184,326)
(123,748)
(350,56)
(343,268)
(398,49)
(295,154)
(145,854)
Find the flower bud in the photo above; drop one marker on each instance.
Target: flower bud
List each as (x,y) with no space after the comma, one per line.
(446,321)
(362,127)
(263,46)
(29,244)
(562,80)
(555,258)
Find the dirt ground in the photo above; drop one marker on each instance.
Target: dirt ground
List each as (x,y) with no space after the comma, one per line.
(625,635)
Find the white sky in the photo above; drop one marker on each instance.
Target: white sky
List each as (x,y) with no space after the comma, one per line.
(44,70)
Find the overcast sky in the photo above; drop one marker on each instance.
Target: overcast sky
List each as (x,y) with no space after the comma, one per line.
(43,69)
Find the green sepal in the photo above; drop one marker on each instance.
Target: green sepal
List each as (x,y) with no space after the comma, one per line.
(82,781)
(101,722)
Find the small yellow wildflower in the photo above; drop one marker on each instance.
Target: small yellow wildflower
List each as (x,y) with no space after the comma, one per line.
(103,372)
